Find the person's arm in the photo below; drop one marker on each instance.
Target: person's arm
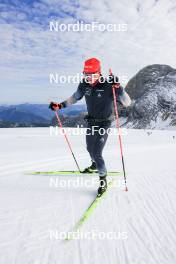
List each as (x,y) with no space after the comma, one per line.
(121,94)
(78,95)
(123,97)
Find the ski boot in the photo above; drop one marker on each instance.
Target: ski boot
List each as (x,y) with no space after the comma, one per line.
(92,168)
(103,185)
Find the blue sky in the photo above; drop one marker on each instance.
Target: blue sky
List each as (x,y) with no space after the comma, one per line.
(29,52)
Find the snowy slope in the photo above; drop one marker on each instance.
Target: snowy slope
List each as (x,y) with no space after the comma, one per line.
(31,208)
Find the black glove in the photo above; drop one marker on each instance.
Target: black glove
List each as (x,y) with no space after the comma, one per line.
(113,79)
(115,84)
(55,106)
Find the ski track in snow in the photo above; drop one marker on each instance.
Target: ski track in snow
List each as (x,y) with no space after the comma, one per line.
(31,208)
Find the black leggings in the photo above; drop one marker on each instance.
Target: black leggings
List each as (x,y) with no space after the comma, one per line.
(96,138)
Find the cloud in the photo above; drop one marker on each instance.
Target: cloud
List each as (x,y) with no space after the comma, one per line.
(30,52)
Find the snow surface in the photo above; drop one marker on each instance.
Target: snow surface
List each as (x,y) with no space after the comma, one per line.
(31,208)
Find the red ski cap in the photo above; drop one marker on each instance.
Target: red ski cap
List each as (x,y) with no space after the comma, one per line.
(91,66)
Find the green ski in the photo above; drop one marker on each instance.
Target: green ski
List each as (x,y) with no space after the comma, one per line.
(76,173)
(87,213)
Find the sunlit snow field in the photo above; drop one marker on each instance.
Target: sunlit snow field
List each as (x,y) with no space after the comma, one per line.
(30,208)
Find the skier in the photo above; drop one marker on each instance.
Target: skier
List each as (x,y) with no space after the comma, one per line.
(99,100)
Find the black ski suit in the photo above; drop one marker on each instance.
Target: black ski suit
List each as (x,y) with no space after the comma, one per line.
(99,101)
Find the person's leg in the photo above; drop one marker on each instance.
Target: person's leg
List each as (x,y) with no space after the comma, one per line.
(99,143)
(90,139)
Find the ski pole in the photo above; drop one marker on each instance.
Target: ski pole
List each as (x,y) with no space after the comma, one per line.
(119,134)
(66,138)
